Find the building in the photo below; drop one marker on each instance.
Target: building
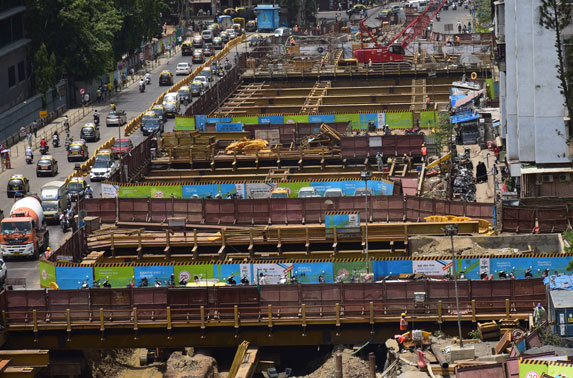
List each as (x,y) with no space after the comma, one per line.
(533,121)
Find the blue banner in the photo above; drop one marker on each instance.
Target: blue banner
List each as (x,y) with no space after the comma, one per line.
(367,117)
(200,122)
(319,118)
(222,127)
(385,268)
(277,120)
(309,272)
(72,277)
(162,273)
(342,222)
(464,117)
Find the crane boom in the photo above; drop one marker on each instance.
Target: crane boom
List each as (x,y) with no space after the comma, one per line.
(416,27)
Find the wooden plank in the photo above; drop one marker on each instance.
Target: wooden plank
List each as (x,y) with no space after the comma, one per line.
(249,363)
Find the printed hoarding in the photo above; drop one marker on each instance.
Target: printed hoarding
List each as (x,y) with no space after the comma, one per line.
(47,274)
(189,272)
(160,273)
(238,271)
(272,272)
(118,276)
(72,277)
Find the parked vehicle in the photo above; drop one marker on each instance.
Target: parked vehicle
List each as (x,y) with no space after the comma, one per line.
(334,192)
(24,232)
(307,191)
(280,193)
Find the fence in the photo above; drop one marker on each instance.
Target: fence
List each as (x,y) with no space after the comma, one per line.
(528,219)
(132,164)
(73,249)
(389,145)
(278,210)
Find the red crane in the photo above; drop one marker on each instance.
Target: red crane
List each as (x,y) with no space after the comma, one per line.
(394,51)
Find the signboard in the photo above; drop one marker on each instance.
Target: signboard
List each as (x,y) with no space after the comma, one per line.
(380,120)
(271,135)
(223,127)
(272,272)
(189,272)
(109,191)
(47,274)
(431,267)
(237,271)
(118,276)
(43,114)
(346,223)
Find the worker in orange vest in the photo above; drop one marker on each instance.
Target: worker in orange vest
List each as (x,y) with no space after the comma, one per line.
(424,153)
(427,102)
(403,323)
(457,40)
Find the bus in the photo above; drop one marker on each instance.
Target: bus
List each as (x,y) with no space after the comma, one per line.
(226,22)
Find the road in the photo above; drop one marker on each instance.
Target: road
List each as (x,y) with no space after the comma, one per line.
(129,100)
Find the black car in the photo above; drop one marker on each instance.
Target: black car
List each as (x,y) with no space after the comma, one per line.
(198,56)
(208,50)
(90,132)
(165,78)
(196,89)
(152,125)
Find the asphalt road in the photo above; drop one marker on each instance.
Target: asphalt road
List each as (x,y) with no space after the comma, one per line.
(129,100)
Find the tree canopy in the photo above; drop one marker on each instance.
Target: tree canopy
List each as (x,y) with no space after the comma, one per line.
(88,37)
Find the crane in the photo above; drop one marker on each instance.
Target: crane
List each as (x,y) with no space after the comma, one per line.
(394,51)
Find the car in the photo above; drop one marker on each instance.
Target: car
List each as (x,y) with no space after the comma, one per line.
(218,43)
(171,97)
(102,169)
(208,49)
(78,151)
(147,115)
(280,193)
(334,192)
(238,29)
(121,147)
(360,192)
(183,68)
(90,132)
(307,191)
(17,184)
(197,88)
(255,40)
(184,94)
(395,9)
(207,72)
(165,78)
(159,111)
(187,48)
(282,32)
(232,34)
(76,188)
(151,126)
(216,29)
(197,41)
(104,154)
(384,13)
(198,56)
(224,36)
(171,109)
(46,166)
(116,118)
(251,26)
(202,79)
(356,9)
(207,35)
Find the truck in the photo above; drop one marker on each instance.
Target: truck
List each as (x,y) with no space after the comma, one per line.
(24,231)
(54,200)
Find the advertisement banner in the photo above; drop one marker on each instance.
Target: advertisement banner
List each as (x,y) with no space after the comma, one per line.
(344,223)
(277,120)
(296,118)
(367,117)
(518,265)
(472,268)
(160,272)
(47,274)
(380,120)
(189,272)
(531,370)
(109,191)
(166,191)
(247,120)
(238,271)
(428,119)
(272,272)
(200,122)
(72,277)
(118,276)
(320,118)
(349,271)
(432,267)
(259,190)
(185,123)
(385,268)
(309,272)
(134,191)
(294,187)
(400,120)
(353,118)
(227,127)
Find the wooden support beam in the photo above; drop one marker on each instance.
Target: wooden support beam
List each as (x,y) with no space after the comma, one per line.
(139,245)
(221,252)
(167,245)
(307,240)
(279,242)
(195,246)
(335,243)
(251,244)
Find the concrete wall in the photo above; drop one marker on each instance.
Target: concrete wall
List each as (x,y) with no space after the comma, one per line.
(511,81)
(19,92)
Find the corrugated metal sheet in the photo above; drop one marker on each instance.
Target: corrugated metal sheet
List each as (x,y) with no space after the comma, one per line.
(486,371)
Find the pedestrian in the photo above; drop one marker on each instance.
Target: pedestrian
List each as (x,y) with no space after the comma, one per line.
(459,27)
(109,89)
(457,40)
(322,62)
(66,123)
(380,162)
(35,128)
(296,29)
(165,28)
(29,136)
(369,64)
(424,153)
(98,92)
(538,314)
(403,323)
(496,153)
(115,84)
(448,42)
(427,102)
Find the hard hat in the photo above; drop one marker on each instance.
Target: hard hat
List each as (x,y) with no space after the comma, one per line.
(403,314)
(48,249)
(423,145)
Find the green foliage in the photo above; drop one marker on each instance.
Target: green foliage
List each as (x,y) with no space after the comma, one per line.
(555,15)
(88,37)
(442,133)
(292,7)
(473,334)
(483,13)
(45,71)
(439,334)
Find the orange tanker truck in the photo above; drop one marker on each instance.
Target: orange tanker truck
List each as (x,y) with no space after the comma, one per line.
(24,232)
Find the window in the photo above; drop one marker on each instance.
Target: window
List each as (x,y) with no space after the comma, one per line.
(11,76)
(21,71)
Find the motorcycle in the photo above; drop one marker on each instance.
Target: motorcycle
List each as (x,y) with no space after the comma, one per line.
(88,195)
(228,66)
(67,145)
(44,150)
(106,283)
(148,80)
(438,17)
(96,284)
(414,131)
(141,87)
(183,282)
(283,280)
(56,141)
(85,283)
(96,120)
(29,159)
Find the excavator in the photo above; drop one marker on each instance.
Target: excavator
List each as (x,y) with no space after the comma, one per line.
(395,51)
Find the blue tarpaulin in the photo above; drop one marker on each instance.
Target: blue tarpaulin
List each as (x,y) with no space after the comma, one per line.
(563,282)
(464,117)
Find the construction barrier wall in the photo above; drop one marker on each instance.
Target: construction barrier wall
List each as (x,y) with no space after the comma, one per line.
(528,219)
(278,210)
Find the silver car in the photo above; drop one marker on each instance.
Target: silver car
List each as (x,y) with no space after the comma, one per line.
(116,118)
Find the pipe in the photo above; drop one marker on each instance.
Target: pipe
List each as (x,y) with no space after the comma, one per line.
(372,362)
(439,356)
(338,366)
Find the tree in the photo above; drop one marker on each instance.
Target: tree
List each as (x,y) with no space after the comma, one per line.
(555,15)
(483,13)
(45,71)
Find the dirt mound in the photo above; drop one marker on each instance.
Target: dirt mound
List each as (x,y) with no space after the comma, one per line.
(184,366)
(352,367)
(119,363)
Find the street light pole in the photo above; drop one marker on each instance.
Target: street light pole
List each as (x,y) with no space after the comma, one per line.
(452,230)
(365,175)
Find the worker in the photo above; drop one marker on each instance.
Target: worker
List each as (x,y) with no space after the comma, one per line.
(424,153)
(457,40)
(448,42)
(538,314)
(322,62)
(427,102)
(369,63)
(400,341)
(403,323)
(262,279)
(296,29)
(113,107)
(380,162)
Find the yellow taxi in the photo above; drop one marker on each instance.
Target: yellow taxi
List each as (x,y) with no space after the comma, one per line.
(17,184)
(216,28)
(104,154)
(78,151)
(159,110)
(165,78)
(187,48)
(76,188)
(47,165)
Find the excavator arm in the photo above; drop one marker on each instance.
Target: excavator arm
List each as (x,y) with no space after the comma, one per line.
(416,27)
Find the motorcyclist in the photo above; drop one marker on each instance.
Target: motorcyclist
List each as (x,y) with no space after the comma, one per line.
(29,152)
(113,107)
(148,77)
(43,142)
(96,117)
(89,192)
(56,137)
(141,84)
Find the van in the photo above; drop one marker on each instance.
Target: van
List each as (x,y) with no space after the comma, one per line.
(54,200)
(280,193)
(207,35)
(334,192)
(259,193)
(307,191)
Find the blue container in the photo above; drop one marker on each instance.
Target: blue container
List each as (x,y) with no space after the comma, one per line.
(267,17)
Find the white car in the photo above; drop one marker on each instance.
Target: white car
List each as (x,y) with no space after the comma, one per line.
(183,68)
(203,79)
(3,271)
(171,97)
(232,34)
(102,169)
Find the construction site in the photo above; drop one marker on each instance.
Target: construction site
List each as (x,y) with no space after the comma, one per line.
(340,191)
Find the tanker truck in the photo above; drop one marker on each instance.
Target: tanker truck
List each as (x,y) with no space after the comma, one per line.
(24,232)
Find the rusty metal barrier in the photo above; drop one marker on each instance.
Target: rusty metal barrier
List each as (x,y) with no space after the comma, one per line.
(528,219)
